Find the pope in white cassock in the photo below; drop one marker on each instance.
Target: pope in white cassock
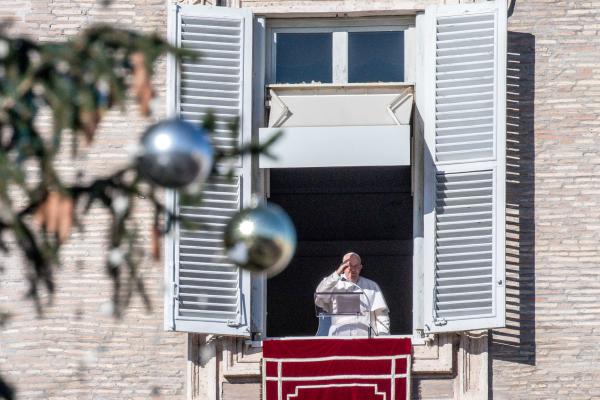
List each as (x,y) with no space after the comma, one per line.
(372,310)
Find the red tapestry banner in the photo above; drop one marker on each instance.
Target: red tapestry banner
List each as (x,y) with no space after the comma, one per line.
(336,369)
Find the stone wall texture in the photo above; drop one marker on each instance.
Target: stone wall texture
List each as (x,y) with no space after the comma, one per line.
(76,350)
(550,348)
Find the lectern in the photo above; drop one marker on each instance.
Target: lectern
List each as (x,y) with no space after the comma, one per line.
(343,314)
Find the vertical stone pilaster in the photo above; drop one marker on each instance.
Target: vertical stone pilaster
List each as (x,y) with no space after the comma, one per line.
(203,367)
(471,382)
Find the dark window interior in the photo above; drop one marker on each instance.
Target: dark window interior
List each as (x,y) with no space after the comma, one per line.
(303,58)
(376,56)
(367,210)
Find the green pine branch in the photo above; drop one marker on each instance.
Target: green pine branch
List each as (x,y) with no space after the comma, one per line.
(78,80)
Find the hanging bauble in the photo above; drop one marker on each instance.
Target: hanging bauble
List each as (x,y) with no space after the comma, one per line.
(175,154)
(261,239)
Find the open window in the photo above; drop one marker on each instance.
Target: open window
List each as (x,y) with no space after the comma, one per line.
(337,90)
(418,192)
(367,210)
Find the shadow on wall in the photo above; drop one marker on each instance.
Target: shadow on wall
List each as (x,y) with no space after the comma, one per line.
(516,342)
(6,391)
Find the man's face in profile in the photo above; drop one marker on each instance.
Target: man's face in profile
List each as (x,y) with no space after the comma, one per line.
(353,267)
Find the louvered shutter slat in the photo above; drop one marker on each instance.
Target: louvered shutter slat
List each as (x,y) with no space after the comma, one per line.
(210,294)
(214,85)
(464,229)
(464,261)
(468,36)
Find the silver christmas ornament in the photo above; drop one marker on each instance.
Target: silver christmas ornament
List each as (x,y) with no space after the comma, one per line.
(175,154)
(261,239)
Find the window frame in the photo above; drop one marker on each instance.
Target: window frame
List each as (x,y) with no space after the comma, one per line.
(406,24)
(339,27)
(417,29)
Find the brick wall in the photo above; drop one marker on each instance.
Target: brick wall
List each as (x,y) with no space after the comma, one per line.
(76,350)
(340,6)
(550,349)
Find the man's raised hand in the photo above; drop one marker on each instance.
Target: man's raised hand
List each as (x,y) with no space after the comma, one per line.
(342,267)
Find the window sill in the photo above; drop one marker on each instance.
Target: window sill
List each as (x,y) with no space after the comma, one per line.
(429,357)
(317,85)
(283,12)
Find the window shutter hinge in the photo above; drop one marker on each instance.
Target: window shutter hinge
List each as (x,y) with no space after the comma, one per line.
(176,293)
(235,323)
(267,97)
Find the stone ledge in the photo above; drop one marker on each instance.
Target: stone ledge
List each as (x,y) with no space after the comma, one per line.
(434,358)
(243,361)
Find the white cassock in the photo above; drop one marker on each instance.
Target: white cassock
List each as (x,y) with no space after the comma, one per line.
(371,303)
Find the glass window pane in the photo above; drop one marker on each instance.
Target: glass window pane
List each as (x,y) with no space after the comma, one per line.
(303,57)
(376,56)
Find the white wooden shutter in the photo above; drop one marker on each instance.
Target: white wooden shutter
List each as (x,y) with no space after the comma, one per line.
(205,292)
(465,123)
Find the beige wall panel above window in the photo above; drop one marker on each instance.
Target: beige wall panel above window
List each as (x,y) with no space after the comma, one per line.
(371,7)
